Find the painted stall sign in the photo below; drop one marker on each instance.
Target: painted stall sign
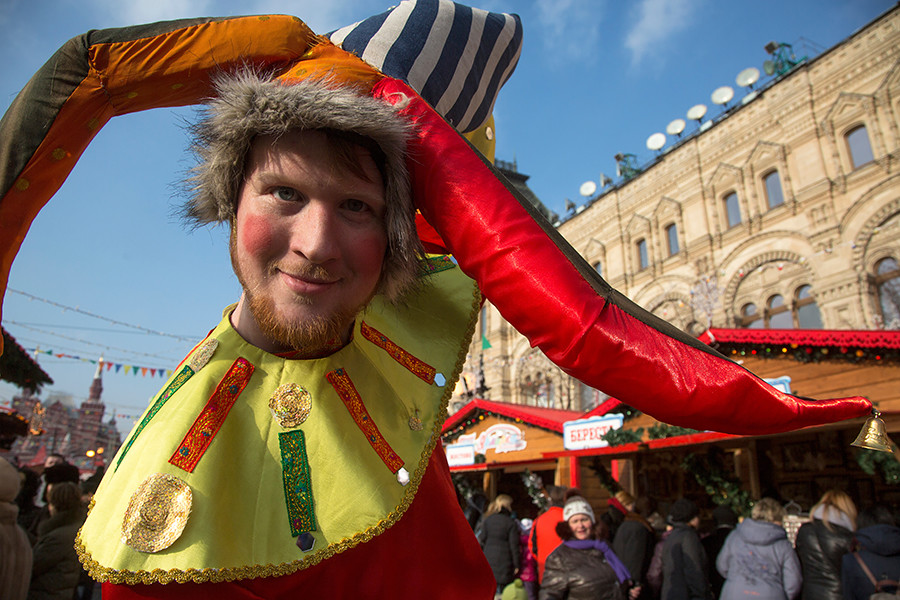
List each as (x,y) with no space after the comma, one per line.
(588,433)
(499,438)
(460,455)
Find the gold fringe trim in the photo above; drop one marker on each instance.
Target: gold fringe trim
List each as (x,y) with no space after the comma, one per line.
(208,575)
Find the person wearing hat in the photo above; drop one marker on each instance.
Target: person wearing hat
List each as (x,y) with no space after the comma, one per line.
(15,549)
(298,442)
(584,567)
(56,570)
(685,570)
(634,541)
(725,521)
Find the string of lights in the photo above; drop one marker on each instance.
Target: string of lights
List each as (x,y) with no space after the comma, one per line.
(75,309)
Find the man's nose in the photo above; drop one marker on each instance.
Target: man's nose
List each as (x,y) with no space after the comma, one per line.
(315,233)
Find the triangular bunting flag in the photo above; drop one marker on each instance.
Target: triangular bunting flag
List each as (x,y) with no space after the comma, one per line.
(118,367)
(143,371)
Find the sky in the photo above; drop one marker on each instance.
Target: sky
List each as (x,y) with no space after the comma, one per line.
(108,269)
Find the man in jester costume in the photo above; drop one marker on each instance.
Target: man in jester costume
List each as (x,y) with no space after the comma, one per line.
(296,448)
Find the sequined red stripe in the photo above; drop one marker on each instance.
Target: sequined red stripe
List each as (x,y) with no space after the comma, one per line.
(344,387)
(418,368)
(210,420)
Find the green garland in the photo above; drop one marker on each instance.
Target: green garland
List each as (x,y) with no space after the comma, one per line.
(718,483)
(535,488)
(871,461)
(463,487)
(606,480)
(662,431)
(618,437)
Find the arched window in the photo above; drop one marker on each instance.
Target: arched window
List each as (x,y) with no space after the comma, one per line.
(643,258)
(806,311)
(599,268)
(778,314)
(774,193)
(672,237)
(750,317)
(859,146)
(733,209)
(887,284)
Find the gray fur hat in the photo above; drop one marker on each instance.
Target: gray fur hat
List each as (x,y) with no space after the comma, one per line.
(249,104)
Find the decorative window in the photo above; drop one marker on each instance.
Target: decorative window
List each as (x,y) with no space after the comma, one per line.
(887,285)
(643,258)
(806,311)
(774,193)
(733,209)
(859,146)
(672,238)
(778,314)
(750,317)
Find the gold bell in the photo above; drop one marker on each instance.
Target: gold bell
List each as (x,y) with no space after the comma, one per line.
(873,435)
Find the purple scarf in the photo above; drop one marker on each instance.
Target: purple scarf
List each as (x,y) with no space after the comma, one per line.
(620,569)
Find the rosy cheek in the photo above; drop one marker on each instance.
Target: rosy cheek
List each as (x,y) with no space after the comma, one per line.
(255,234)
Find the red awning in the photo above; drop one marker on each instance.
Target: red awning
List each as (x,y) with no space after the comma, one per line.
(807,337)
(547,418)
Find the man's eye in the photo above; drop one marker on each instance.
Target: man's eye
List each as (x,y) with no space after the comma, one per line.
(285,193)
(355,205)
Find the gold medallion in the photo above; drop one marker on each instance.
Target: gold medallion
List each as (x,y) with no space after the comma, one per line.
(157,513)
(203,354)
(291,404)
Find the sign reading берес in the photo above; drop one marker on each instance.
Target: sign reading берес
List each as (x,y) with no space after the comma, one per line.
(582,434)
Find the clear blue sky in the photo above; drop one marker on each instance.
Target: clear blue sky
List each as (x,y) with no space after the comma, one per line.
(595,78)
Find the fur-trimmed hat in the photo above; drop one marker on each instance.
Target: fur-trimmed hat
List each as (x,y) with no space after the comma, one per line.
(250,104)
(576,505)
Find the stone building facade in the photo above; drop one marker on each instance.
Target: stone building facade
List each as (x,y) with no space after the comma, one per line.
(782,212)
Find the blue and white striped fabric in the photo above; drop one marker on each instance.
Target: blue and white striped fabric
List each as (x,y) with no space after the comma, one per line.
(454,56)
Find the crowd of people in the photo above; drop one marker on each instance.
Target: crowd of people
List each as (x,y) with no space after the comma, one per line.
(41,511)
(631,551)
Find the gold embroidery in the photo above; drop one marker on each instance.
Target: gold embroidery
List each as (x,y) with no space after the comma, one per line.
(291,404)
(157,513)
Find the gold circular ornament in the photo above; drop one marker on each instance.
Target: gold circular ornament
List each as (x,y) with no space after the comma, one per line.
(291,404)
(415,423)
(157,513)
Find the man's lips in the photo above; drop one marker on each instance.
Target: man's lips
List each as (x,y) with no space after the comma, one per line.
(306,283)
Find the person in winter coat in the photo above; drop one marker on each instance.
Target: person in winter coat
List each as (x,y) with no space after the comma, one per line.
(633,544)
(544,539)
(499,538)
(726,521)
(15,548)
(527,562)
(584,567)
(878,541)
(822,543)
(684,565)
(757,560)
(56,569)
(617,508)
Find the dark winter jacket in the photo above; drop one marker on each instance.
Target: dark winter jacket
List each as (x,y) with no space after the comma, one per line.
(713,544)
(821,551)
(879,548)
(574,574)
(613,517)
(55,571)
(634,544)
(685,568)
(499,537)
(758,561)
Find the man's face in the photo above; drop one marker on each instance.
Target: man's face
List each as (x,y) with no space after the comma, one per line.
(307,244)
